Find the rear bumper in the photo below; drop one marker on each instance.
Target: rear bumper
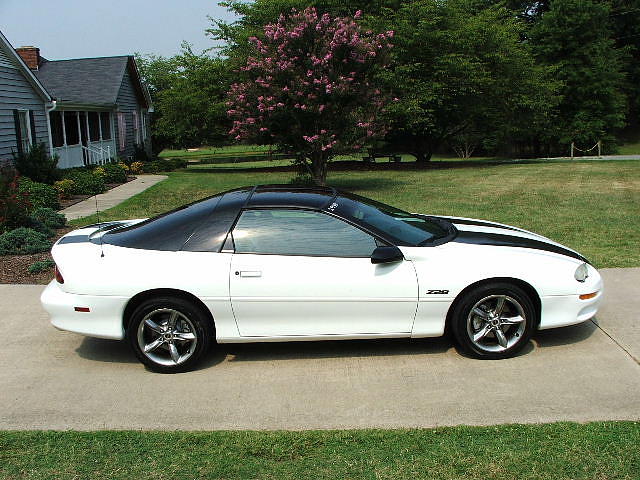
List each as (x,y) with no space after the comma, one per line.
(104,319)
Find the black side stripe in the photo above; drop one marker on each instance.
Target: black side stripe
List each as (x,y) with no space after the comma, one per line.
(496,239)
(478,223)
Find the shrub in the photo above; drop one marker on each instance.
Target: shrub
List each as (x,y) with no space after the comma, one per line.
(38,165)
(49,217)
(41,266)
(137,168)
(65,187)
(151,167)
(99,171)
(178,163)
(14,204)
(114,173)
(39,194)
(124,167)
(140,154)
(85,182)
(23,241)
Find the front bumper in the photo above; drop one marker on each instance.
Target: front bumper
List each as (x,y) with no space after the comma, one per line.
(104,319)
(564,310)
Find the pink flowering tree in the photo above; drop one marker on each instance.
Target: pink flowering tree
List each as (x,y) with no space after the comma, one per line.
(308,88)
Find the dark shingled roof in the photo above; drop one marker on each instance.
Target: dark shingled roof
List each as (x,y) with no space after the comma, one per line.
(93,81)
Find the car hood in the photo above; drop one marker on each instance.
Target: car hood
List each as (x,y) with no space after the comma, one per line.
(482,232)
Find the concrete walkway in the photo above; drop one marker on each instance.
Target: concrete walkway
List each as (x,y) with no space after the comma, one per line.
(57,380)
(113,197)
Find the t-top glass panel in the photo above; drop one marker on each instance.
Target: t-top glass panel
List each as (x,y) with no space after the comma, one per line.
(299,232)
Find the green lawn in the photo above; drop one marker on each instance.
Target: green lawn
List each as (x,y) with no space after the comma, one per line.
(222,151)
(629,149)
(603,450)
(592,206)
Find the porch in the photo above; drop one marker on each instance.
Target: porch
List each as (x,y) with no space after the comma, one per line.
(81,138)
(94,153)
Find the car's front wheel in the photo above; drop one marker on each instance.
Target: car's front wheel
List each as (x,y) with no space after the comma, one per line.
(169,334)
(494,321)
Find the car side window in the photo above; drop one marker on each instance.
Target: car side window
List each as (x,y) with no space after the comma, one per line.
(299,232)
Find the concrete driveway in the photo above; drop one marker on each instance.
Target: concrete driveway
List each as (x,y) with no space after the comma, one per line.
(56,380)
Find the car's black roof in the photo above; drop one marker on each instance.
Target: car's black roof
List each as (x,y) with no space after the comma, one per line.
(290,196)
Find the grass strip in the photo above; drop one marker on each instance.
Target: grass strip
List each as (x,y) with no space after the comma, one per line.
(601,450)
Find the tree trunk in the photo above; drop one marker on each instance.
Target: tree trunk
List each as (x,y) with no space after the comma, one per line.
(422,150)
(422,156)
(319,168)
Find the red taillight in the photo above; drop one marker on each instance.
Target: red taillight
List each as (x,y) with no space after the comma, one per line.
(59,278)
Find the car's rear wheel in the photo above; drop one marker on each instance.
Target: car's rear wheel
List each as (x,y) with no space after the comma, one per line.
(169,334)
(494,321)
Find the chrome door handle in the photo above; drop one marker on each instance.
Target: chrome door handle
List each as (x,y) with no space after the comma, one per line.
(249,273)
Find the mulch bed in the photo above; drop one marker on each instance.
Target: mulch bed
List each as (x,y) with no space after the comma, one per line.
(14,268)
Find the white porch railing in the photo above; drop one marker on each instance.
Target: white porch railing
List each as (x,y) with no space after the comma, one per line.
(96,155)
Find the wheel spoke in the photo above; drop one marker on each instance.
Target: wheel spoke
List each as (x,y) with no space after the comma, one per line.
(480,313)
(150,347)
(153,325)
(502,339)
(512,320)
(184,336)
(172,319)
(480,334)
(499,306)
(175,356)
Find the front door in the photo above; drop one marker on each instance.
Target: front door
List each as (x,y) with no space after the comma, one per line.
(304,273)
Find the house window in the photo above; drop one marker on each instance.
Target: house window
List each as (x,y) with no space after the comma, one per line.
(71,128)
(94,126)
(122,131)
(57,131)
(23,128)
(143,124)
(105,125)
(136,127)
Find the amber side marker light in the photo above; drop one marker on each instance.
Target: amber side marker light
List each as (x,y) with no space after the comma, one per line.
(587,296)
(81,309)
(58,275)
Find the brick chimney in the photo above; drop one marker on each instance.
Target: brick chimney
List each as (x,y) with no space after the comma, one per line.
(30,55)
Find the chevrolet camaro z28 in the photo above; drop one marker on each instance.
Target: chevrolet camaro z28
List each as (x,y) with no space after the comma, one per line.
(282,263)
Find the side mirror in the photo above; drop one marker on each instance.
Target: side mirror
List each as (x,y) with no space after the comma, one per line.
(386,255)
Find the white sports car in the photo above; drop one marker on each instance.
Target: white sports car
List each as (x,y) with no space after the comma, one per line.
(282,263)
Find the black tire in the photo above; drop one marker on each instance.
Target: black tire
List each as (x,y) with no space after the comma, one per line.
(189,321)
(489,343)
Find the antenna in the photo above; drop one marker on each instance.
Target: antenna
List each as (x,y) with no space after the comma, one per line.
(98,221)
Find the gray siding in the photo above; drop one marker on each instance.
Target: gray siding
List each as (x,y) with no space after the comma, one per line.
(17,93)
(4,60)
(128,103)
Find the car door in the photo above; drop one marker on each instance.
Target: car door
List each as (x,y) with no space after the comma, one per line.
(304,273)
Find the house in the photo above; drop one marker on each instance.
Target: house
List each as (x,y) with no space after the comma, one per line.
(85,110)
(24,105)
(100,107)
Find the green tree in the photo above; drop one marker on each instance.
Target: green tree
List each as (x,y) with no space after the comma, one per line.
(625,17)
(461,72)
(188,92)
(575,37)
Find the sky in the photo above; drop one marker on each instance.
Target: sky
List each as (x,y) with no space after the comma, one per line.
(91,28)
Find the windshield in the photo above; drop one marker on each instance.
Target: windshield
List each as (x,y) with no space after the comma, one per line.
(404,228)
